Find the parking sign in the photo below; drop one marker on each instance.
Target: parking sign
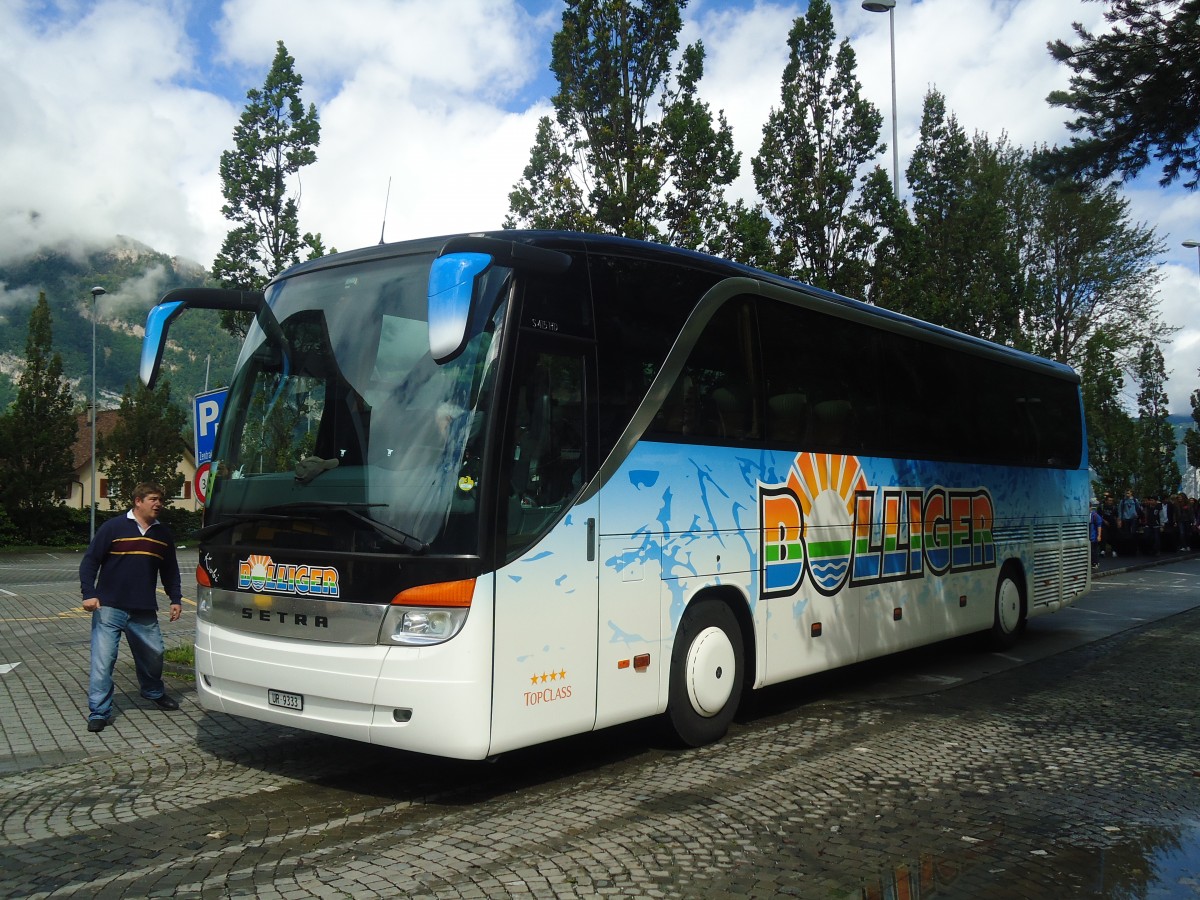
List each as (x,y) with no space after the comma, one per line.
(207,415)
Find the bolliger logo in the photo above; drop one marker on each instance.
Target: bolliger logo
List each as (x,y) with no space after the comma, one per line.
(826,522)
(260,573)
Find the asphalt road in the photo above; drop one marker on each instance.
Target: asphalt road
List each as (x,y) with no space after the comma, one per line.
(1067,767)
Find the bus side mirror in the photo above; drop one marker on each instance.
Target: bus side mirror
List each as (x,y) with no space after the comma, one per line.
(451,294)
(158,320)
(160,317)
(455,275)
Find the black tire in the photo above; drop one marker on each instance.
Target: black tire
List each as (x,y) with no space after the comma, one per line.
(1009,616)
(707,673)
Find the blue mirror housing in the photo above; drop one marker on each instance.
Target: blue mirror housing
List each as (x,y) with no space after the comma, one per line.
(157,321)
(451,294)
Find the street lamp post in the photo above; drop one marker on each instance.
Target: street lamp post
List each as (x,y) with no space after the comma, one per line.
(889,7)
(96,292)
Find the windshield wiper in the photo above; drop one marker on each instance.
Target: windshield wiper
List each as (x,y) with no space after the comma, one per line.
(352,510)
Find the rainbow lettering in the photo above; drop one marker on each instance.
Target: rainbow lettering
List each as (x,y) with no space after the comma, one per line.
(826,523)
(259,573)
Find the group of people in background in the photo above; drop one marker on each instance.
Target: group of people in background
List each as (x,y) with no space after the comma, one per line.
(1127,526)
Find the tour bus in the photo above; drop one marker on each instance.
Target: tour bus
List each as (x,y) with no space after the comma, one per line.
(477,492)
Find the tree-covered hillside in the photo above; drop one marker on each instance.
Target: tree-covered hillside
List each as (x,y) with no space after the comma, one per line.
(134,277)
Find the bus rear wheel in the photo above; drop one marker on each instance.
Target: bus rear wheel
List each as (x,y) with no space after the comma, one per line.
(707,673)
(1009,618)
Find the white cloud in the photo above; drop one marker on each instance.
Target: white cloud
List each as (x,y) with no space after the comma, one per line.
(18,297)
(135,295)
(100,136)
(451,169)
(1179,297)
(427,49)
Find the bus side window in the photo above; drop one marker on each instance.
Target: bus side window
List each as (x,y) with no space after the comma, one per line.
(546,452)
(822,377)
(641,307)
(714,395)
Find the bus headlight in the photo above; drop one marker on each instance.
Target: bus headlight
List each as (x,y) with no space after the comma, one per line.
(420,626)
(427,614)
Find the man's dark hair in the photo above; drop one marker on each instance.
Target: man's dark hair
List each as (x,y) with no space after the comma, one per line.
(148,487)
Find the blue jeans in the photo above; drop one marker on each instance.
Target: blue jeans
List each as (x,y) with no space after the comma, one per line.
(145,642)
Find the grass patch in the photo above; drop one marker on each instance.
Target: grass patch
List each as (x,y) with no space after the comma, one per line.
(181,661)
(181,656)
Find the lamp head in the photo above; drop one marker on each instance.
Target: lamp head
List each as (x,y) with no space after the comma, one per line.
(1191,244)
(878,5)
(97,291)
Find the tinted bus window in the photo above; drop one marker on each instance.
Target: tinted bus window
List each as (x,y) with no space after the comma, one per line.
(715,396)
(640,308)
(838,385)
(822,379)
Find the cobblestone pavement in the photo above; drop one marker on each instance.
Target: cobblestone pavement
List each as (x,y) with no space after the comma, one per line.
(1077,775)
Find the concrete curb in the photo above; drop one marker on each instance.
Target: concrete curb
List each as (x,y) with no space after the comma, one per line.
(1152,562)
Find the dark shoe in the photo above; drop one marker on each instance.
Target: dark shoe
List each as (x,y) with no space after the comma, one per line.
(166,703)
(95,725)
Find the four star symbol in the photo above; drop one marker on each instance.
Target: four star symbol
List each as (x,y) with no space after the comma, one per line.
(560,675)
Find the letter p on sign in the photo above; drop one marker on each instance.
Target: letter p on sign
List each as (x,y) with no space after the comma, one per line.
(209,413)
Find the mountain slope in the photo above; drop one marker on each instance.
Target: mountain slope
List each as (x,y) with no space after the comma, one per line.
(134,277)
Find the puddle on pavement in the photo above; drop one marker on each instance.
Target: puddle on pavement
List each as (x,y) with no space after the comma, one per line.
(1142,863)
(1150,864)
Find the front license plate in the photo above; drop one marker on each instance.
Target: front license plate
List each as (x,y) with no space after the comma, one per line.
(286,700)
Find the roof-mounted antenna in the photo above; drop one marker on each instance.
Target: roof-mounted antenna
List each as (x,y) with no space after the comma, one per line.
(383,227)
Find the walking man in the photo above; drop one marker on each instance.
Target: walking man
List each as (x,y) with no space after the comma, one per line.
(129,553)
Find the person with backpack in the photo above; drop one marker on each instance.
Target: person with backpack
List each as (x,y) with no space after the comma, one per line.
(1131,511)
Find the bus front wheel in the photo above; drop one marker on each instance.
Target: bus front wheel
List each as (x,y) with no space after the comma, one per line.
(1009,617)
(707,673)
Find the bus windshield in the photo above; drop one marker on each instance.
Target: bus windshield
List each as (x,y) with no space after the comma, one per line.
(341,432)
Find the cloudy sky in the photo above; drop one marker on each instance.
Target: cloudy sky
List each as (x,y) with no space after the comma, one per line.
(115,112)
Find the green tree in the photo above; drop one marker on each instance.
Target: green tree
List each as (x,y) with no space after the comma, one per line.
(814,145)
(608,161)
(273,140)
(1097,271)
(548,195)
(146,444)
(1158,472)
(694,214)
(745,236)
(1134,89)
(37,434)
(1111,431)
(964,258)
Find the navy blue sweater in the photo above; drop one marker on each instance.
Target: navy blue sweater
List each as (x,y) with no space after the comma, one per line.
(130,564)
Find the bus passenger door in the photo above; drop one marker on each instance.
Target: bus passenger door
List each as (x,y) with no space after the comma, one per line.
(544,659)
(630,664)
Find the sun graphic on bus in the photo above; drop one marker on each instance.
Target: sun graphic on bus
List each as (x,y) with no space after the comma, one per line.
(825,486)
(258,571)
